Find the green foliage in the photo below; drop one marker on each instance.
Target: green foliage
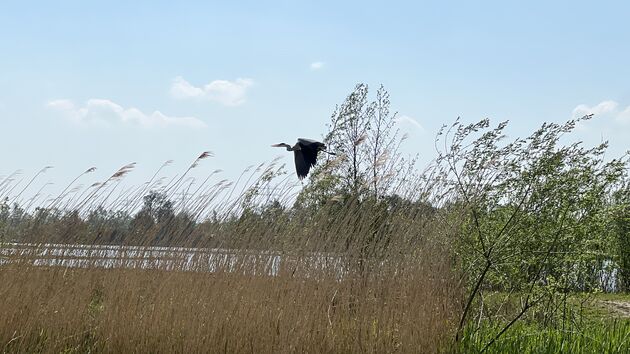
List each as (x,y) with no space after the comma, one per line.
(537,213)
(596,337)
(157,207)
(158,224)
(622,235)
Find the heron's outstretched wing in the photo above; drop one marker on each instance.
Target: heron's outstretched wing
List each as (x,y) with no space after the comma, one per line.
(305,141)
(301,165)
(310,148)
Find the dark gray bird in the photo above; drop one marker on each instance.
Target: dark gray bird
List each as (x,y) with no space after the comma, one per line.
(305,154)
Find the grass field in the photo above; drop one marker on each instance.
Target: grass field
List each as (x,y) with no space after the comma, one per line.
(125,310)
(594,326)
(604,336)
(58,309)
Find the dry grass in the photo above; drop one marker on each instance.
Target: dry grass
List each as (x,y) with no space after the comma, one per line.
(126,310)
(391,289)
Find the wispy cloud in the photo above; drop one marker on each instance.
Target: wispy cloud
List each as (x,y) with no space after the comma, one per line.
(105,111)
(316,65)
(605,108)
(406,120)
(228,93)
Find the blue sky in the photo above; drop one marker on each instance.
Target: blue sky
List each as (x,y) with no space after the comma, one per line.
(107,83)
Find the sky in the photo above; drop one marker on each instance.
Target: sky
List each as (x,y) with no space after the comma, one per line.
(108,83)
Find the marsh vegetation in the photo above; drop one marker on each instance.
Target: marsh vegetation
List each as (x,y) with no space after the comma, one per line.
(497,245)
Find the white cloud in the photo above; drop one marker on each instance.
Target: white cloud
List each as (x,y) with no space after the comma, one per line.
(406,120)
(611,123)
(317,65)
(624,116)
(103,111)
(607,108)
(228,93)
(602,108)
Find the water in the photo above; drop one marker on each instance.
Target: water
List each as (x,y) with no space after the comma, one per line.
(167,258)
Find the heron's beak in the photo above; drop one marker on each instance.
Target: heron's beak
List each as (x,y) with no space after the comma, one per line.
(276,145)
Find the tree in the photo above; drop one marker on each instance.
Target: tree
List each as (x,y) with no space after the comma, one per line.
(148,224)
(383,143)
(534,212)
(368,162)
(349,127)
(158,207)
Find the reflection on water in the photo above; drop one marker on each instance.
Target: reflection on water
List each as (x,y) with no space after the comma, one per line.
(168,258)
(253,262)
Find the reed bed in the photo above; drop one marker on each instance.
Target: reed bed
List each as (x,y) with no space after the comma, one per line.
(353,275)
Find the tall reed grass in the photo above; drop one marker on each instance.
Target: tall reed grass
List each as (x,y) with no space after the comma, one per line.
(352,275)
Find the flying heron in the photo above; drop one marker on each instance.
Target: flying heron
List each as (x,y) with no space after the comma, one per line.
(305,154)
